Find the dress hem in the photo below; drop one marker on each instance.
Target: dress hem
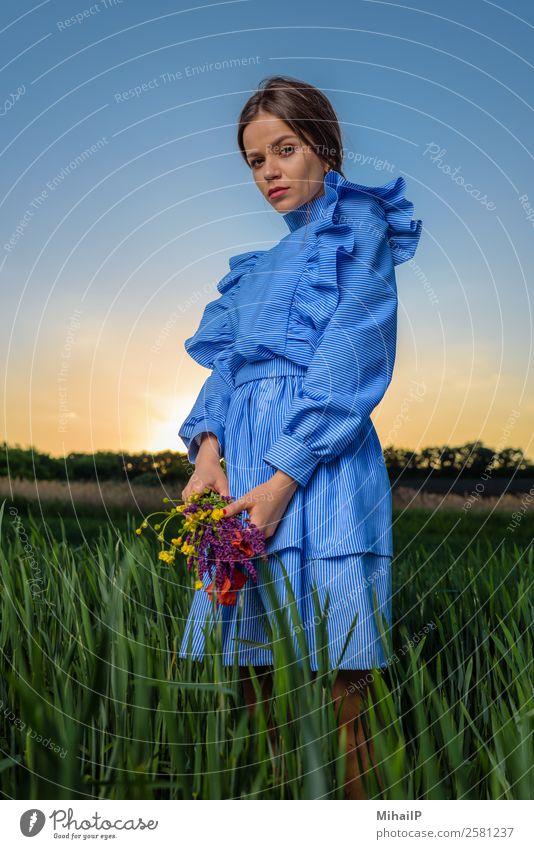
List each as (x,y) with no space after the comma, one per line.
(269,662)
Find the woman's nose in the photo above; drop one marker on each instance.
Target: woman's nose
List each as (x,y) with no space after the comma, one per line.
(271,171)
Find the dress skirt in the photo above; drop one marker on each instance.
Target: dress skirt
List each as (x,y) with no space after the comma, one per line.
(356,583)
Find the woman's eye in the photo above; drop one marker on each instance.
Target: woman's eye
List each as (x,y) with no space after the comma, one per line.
(287,150)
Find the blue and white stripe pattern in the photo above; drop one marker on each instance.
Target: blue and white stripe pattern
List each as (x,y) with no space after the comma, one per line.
(358,585)
(301,347)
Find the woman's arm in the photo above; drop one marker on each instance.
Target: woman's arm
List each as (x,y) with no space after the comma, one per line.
(208,415)
(353,364)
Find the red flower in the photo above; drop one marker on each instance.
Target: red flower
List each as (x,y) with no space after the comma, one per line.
(240,579)
(227,594)
(242,545)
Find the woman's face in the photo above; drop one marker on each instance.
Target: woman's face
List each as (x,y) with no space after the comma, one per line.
(279,159)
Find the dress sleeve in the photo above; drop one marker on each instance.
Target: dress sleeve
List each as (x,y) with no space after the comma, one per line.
(211,347)
(208,414)
(352,364)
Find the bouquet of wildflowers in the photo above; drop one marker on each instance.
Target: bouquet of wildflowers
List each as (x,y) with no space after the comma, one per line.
(209,539)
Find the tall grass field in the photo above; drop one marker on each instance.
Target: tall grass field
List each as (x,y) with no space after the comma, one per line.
(95,702)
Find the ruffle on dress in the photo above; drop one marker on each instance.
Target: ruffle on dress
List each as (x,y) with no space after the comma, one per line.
(214,334)
(239,264)
(403,232)
(343,210)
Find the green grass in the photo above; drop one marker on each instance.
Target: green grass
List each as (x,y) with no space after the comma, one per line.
(426,531)
(412,528)
(91,666)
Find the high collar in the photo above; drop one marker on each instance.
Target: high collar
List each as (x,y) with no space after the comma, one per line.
(312,209)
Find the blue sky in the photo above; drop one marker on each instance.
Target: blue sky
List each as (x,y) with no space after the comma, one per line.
(124,194)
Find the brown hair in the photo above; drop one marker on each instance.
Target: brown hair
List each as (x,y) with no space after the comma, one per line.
(304,108)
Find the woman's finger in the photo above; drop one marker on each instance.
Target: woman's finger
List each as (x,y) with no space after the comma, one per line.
(222,486)
(235,507)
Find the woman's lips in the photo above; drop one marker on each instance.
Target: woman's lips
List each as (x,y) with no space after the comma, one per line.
(278,192)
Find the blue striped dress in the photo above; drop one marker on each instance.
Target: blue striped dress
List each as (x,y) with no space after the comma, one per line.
(301,346)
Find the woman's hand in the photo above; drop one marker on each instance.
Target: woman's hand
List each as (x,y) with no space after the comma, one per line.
(208,470)
(266,503)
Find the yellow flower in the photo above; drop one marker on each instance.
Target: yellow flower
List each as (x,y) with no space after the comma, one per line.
(166,556)
(177,541)
(217,514)
(138,530)
(198,585)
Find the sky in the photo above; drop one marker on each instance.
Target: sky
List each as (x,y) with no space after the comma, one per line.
(123,194)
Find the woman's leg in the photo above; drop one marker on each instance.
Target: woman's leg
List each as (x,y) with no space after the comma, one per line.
(348,715)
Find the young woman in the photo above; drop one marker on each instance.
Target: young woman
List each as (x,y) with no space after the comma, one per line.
(301,347)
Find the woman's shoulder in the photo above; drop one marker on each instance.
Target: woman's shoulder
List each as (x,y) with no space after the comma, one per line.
(370,213)
(355,223)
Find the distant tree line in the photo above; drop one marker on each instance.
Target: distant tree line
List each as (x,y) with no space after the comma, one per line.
(469,460)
